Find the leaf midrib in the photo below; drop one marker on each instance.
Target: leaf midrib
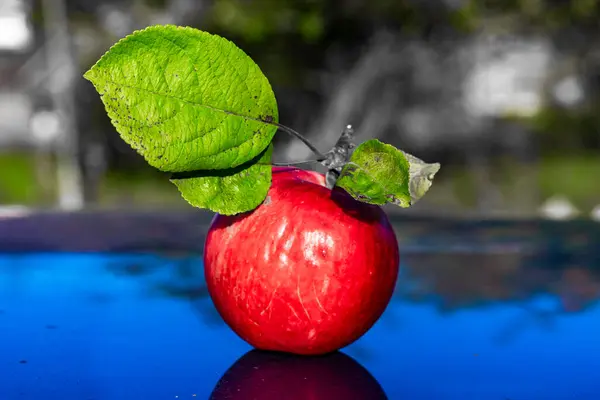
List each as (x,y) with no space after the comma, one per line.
(192,103)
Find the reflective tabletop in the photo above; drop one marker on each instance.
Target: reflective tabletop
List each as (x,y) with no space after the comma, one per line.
(108,326)
(467,321)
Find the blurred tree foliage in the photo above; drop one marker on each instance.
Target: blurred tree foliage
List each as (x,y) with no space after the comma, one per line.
(304,47)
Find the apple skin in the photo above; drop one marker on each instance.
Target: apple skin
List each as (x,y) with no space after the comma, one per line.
(308,272)
(275,376)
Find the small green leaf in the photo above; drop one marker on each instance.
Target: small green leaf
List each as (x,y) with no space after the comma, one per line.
(185,99)
(228,191)
(421,176)
(377,173)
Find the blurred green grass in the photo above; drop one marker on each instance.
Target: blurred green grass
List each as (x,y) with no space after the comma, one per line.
(575,177)
(19,180)
(455,188)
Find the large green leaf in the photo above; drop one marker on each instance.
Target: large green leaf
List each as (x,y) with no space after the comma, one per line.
(228,191)
(185,99)
(377,173)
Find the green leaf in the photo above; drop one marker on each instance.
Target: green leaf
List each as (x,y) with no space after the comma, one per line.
(421,176)
(228,191)
(377,173)
(185,99)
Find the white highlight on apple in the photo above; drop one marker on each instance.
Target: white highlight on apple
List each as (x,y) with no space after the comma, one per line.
(282,229)
(312,240)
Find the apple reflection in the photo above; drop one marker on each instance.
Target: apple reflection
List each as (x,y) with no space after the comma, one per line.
(261,375)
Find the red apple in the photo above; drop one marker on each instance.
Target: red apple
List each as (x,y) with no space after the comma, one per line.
(308,272)
(276,376)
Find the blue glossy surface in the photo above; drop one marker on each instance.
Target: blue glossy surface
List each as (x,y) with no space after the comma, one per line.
(93,326)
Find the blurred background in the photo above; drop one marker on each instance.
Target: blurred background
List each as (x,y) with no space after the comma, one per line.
(503,93)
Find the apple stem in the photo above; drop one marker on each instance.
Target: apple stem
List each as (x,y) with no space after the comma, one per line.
(338,156)
(303,139)
(334,160)
(287,164)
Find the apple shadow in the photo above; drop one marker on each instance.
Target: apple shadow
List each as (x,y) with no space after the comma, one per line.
(274,376)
